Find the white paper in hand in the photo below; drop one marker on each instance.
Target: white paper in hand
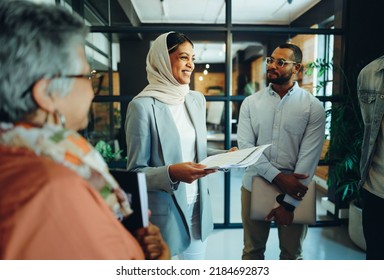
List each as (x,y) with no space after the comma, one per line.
(237,159)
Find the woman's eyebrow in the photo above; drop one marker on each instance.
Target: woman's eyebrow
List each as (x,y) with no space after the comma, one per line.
(186,53)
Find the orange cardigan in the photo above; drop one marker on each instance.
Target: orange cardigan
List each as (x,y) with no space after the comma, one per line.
(47,211)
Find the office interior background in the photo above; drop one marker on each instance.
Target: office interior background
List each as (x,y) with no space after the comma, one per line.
(231,39)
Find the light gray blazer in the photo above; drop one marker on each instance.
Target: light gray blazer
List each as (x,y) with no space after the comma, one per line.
(153,144)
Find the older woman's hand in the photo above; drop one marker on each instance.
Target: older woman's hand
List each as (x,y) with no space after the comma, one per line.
(152,243)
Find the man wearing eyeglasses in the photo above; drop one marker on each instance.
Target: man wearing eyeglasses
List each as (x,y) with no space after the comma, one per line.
(293,121)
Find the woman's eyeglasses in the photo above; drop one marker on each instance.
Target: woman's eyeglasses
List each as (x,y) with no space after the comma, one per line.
(95,78)
(279,62)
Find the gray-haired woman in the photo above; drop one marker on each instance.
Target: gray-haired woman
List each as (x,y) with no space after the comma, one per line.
(50,177)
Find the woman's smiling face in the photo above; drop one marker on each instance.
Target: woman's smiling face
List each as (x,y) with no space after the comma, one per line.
(182,63)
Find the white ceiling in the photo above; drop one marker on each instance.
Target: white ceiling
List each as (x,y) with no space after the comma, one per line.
(272,12)
(213,11)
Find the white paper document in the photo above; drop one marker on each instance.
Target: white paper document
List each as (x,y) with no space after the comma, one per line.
(237,159)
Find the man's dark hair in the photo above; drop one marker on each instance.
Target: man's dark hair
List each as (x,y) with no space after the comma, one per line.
(297,53)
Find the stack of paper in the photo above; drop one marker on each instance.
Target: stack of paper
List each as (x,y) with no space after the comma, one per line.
(237,159)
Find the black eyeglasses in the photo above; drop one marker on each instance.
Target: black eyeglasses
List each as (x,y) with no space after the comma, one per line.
(96,79)
(279,62)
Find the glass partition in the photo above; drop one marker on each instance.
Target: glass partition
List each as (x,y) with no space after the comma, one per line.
(121,34)
(105,124)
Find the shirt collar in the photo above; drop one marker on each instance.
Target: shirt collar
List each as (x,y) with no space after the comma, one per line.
(380,64)
(290,91)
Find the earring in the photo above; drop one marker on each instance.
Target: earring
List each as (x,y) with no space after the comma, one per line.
(59,116)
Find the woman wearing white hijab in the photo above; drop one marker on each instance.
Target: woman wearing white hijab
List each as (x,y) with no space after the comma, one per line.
(166,137)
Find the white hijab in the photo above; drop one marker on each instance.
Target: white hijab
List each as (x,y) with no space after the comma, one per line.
(162,85)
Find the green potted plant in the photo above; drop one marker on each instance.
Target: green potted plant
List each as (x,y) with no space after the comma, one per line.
(346,130)
(106,151)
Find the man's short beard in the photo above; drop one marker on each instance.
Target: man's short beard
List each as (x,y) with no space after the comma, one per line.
(279,80)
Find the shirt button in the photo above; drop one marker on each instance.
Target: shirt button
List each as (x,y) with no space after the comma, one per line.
(382,96)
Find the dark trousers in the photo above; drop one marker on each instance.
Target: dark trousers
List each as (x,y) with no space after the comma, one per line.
(373,225)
